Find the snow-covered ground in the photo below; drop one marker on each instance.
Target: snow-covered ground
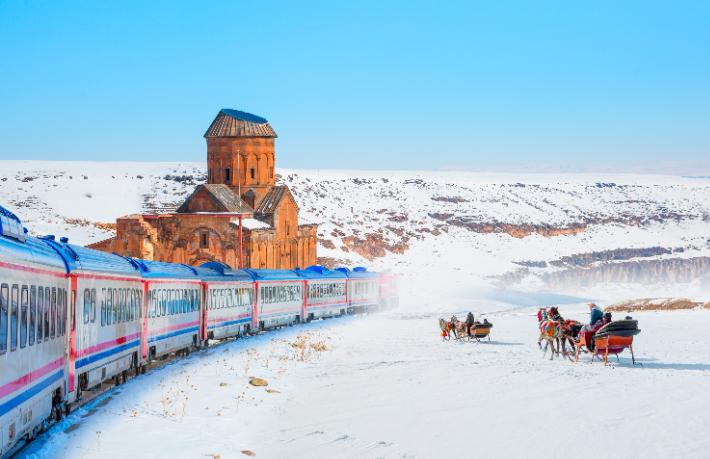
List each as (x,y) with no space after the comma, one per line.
(387,386)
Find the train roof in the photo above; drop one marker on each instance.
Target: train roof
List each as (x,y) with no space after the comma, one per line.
(217,271)
(320,272)
(272,274)
(30,250)
(358,272)
(79,258)
(160,270)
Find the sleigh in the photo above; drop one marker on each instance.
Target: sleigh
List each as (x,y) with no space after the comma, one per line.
(481,331)
(612,339)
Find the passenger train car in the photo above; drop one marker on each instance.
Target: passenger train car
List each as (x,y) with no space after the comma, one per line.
(72,318)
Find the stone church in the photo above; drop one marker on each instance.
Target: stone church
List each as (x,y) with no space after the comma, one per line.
(240,217)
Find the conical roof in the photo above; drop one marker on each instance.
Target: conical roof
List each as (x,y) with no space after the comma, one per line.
(234,123)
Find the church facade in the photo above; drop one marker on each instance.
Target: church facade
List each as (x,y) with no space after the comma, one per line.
(239,217)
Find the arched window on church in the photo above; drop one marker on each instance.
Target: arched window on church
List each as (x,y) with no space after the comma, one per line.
(204,240)
(227,175)
(253,173)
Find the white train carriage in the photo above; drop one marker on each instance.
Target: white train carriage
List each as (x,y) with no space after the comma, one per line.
(229,301)
(279,299)
(172,321)
(325,292)
(33,331)
(389,291)
(105,328)
(363,290)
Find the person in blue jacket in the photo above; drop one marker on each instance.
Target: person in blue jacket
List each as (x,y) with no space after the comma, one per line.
(595,314)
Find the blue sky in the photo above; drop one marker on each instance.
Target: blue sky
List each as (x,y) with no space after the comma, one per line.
(399,85)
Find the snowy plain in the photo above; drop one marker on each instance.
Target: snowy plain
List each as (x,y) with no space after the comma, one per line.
(386,385)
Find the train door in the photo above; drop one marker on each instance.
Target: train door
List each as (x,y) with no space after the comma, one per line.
(72,337)
(144,321)
(204,316)
(255,308)
(304,311)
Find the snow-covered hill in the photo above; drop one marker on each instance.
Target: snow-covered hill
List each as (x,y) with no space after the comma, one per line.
(537,232)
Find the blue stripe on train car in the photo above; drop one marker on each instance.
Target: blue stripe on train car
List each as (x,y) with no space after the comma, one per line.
(29,393)
(231,322)
(102,355)
(172,334)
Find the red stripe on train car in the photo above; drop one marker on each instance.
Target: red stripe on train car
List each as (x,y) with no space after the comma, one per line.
(28,269)
(106,344)
(22,381)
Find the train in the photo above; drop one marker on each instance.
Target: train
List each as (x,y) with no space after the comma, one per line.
(73,318)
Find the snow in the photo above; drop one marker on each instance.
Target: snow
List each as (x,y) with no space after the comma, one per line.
(253,223)
(387,386)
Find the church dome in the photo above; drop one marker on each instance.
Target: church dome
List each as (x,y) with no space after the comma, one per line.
(234,123)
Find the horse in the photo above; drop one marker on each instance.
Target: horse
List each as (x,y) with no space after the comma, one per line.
(569,333)
(550,331)
(446,329)
(457,327)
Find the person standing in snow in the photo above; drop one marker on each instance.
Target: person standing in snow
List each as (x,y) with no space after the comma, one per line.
(469,323)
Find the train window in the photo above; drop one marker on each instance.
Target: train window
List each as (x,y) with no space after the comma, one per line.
(151,303)
(92,310)
(103,307)
(110,307)
(115,305)
(61,312)
(47,303)
(24,303)
(124,306)
(14,301)
(129,305)
(139,295)
(118,300)
(128,314)
(136,304)
(87,305)
(40,314)
(33,314)
(4,309)
(53,314)
(164,302)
